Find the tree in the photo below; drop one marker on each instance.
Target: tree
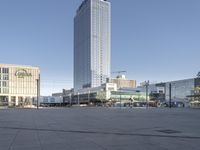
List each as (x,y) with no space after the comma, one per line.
(101,95)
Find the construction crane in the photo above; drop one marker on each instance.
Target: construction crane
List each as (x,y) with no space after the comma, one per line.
(119,72)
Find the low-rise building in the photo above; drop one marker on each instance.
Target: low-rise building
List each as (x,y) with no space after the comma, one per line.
(51,101)
(181,90)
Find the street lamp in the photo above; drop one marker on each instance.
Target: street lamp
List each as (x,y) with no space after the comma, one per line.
(78,99)
(38,90)
(147,86)
(120,100)
(70,99)
(170,95)
(88,96)
(131,102)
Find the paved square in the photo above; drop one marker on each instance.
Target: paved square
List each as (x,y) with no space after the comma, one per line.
(100,129)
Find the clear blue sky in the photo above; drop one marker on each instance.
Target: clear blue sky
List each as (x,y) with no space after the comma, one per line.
(156,40)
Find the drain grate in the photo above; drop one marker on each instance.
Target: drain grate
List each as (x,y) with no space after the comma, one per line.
(169,131)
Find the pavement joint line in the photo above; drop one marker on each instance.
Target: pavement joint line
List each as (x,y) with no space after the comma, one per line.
(13,140)
(37,134)
(102,133)
(99,145)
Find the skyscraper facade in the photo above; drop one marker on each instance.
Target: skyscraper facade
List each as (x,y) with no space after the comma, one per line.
(92,44)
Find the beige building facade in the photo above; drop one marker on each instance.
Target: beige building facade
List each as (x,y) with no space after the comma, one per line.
(18,85)
(122,82)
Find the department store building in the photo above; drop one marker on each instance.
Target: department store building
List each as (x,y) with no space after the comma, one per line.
(18,85)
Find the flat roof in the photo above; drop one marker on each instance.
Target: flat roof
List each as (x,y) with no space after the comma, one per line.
(20,66)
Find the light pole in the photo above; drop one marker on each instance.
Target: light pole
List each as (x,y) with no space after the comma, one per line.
(88,97)
(38,90)
(70,99)
(78,99)
(170,95)
(120,100)
(131,102)
(147,86)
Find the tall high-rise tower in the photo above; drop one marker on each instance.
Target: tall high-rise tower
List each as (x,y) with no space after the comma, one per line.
(92,44)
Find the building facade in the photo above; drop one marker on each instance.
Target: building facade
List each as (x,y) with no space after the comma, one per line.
(51,101)
(181,90)
(92,44)
(122,82)
(18,84)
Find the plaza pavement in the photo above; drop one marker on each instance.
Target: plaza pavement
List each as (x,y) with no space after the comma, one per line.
(100,129)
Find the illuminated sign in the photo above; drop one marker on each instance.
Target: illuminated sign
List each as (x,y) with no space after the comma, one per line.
(22,73)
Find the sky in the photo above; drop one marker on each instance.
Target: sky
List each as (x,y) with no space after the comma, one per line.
(156,40)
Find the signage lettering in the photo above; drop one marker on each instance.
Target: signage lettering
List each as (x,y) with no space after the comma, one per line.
(22,73)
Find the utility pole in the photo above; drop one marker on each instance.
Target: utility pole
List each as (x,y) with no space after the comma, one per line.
(170,95)
(38,90)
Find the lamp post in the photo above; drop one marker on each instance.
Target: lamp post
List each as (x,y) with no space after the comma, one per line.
(38,90)
(131,102)
(120,100)
(78,99)
(170,95)
(70,99)
(88,97)
(147,88)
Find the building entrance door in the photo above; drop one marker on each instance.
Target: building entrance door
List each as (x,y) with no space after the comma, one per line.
(3,100)
(27,101)
(20,101)
(13,101)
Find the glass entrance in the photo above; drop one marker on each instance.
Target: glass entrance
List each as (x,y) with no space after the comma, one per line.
(13,101)
(3,100)
(20,102)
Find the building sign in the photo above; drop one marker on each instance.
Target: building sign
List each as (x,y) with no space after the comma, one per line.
(22,73)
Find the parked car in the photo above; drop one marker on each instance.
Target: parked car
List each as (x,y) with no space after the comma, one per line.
(177,104)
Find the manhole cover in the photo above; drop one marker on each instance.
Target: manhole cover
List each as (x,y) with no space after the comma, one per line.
(169,131)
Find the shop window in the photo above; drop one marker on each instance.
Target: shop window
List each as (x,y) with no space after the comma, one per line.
(52,100)
(3,101)
(13,101)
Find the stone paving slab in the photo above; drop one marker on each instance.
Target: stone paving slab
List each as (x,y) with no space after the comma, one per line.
(99,129)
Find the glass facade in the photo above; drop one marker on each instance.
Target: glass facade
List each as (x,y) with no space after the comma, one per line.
(180,89)
(91,44)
